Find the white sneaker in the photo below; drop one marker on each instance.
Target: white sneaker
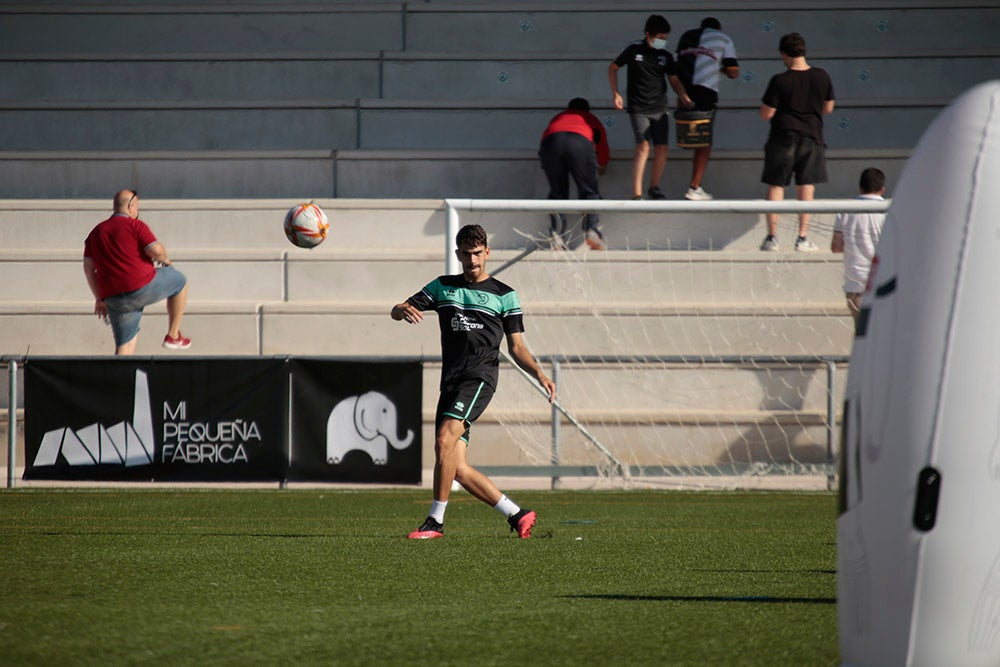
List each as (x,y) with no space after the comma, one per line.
(805,245)
(556,241)
(697,194)
(770,244)
(595,240)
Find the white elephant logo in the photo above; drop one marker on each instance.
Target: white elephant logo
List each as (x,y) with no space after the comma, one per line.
(366,423)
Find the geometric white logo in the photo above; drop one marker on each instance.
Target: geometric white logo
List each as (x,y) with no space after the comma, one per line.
(126,443)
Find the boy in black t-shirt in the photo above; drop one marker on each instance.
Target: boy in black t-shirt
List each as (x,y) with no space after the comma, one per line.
(649,67)
(794,103)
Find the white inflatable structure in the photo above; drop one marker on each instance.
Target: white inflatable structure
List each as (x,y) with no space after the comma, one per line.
(919,528)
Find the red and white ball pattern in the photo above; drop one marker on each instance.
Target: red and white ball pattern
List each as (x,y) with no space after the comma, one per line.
(306,225)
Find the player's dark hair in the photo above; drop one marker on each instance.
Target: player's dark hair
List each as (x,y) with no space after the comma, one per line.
(471,236)
(872,180)
(793,45)
(656,25)
(578,104)
(711,22)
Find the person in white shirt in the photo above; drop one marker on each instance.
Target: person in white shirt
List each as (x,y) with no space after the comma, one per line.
(856,235)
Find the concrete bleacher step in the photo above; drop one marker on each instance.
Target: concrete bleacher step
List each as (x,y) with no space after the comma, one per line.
(379,124)
(365,329)
(156,26)
(629,279)
(475,27)
(377,174)
(872,76)
(226,224)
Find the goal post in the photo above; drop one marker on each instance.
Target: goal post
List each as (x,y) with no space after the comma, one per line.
(716,366)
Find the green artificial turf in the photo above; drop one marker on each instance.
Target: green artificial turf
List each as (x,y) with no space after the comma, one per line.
(326,577)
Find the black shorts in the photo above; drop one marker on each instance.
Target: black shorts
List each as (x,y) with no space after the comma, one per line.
(464,401)
(788,154)
(705,99)
(653,127)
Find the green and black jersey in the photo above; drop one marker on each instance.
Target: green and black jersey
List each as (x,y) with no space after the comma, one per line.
(474,318)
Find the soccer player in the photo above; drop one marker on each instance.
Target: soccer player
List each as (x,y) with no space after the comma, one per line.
(474,311)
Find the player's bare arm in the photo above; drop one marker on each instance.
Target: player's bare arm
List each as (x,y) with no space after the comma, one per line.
(766,112)
(616,98)
(157,253)
(520,353)
(682,96)
(837,242)
(406,312)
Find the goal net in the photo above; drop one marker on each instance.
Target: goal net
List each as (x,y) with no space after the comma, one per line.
(684,355)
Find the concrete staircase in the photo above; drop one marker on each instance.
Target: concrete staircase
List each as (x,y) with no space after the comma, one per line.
(253,293)
(224,114)
(334,99)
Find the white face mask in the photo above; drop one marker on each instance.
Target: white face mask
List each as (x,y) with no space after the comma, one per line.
(659,43)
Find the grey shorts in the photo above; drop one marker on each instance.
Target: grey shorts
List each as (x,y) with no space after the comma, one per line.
(125,310)
(654,128)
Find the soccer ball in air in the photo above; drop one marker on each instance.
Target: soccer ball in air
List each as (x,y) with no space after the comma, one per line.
(306,225)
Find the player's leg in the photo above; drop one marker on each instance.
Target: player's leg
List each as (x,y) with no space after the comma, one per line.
(774,193)
(704,99)
(553,161)
(448,444)
(639,159)
(659,130)
(640,131)
(854,304)
(810,169)
(583,169)
(124,316)
(476,483)
(806,192)
(521,520)
(699,163)
(779,160)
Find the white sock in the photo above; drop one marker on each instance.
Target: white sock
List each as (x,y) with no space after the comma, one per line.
(437,510)
(507,507)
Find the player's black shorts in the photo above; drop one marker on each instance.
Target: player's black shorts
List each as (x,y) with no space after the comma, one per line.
(465,400)
(651,127)
(704,98)
(788,154)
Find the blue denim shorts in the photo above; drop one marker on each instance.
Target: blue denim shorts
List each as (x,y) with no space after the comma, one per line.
(125,310)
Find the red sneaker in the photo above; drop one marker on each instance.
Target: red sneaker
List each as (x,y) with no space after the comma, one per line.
(428,531)
(522,522)
(179,343)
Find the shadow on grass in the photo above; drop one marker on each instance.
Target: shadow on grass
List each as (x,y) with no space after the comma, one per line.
(134,533)
(702,598)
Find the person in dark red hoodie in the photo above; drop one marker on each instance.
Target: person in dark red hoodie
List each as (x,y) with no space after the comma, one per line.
(574,144)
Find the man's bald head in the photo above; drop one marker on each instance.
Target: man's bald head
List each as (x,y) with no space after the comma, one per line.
(125,200)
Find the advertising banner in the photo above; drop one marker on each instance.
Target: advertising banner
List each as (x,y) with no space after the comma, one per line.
(355,421)
(166,420)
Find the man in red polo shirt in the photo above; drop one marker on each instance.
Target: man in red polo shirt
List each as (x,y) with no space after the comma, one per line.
(120,258)
(574,144)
